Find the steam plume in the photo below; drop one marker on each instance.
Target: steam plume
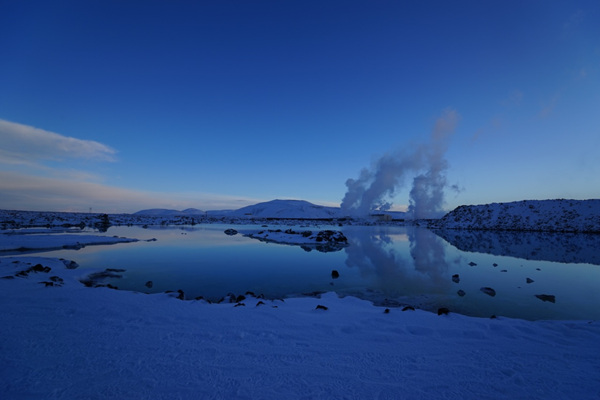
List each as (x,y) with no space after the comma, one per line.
(375,187)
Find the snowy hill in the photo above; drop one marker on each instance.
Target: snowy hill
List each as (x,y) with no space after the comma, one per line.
(528,215)
(286,209)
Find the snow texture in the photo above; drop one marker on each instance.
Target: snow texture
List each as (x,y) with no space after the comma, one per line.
(69,341)
(324,241)
(17,241)
(527,215)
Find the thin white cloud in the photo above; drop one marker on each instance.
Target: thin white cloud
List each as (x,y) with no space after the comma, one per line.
(548,107)
(24,144)
(28,192)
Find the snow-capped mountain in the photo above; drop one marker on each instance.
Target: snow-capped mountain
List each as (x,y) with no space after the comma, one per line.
(286,209)
(528,215)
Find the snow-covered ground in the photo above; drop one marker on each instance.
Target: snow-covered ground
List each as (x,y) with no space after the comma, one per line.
(324,240)
(63,340)
(528,215)
(18,241)
(67,341)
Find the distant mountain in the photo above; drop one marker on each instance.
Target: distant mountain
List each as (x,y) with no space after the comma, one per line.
(270,209)
(528,215)
(168,212)
(286,209)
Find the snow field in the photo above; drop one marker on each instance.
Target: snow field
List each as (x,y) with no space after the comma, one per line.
(76,342)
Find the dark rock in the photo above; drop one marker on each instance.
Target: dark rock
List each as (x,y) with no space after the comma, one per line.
(115,270)
(335,274)
(70,264)
(230,232)
(461,293)
(249,293)
(386,311)
(455,278)
(181,295)
(240,305)
(546,297)
(240,298)
(408,308)
(489,291)
(493,317)
(495,265)
(388,303)
(316,293)
(38,268)
(529,280)
(231,297)
(57,279)
(8,277)
(503,270)
(320,307)
(443,311)
(260,303)
(149,284)
(472,264)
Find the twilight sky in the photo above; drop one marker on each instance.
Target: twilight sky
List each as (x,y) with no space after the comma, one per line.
(124,105)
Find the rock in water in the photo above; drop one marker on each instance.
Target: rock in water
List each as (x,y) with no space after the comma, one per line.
(489,291)
(455,278)
(230,232)
(149,284)
(461,293)
(335,274)
(546,297)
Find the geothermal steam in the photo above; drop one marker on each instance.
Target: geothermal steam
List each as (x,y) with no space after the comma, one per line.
(425,164)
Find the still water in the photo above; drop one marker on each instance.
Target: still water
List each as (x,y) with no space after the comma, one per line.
(387,265)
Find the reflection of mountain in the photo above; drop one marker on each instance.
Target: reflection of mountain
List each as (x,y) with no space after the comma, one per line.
(546,246)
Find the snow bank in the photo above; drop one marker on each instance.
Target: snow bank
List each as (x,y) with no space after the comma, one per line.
(17,241)
(68,341)
(527,215)
(326,240)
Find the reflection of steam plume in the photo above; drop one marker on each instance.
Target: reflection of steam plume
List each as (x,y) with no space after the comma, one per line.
(396,274)
(373,188)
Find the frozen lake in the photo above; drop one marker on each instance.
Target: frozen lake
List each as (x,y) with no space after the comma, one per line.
(387,265)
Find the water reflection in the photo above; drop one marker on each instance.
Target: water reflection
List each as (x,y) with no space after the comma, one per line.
(387,265)
(413,265)
(546,246)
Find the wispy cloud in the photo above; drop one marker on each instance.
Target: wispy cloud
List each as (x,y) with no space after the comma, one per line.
(548,107)
(29,192)
(24,144)
(515,98)
(573,22)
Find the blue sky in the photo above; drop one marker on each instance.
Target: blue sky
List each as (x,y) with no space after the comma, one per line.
(120,106)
